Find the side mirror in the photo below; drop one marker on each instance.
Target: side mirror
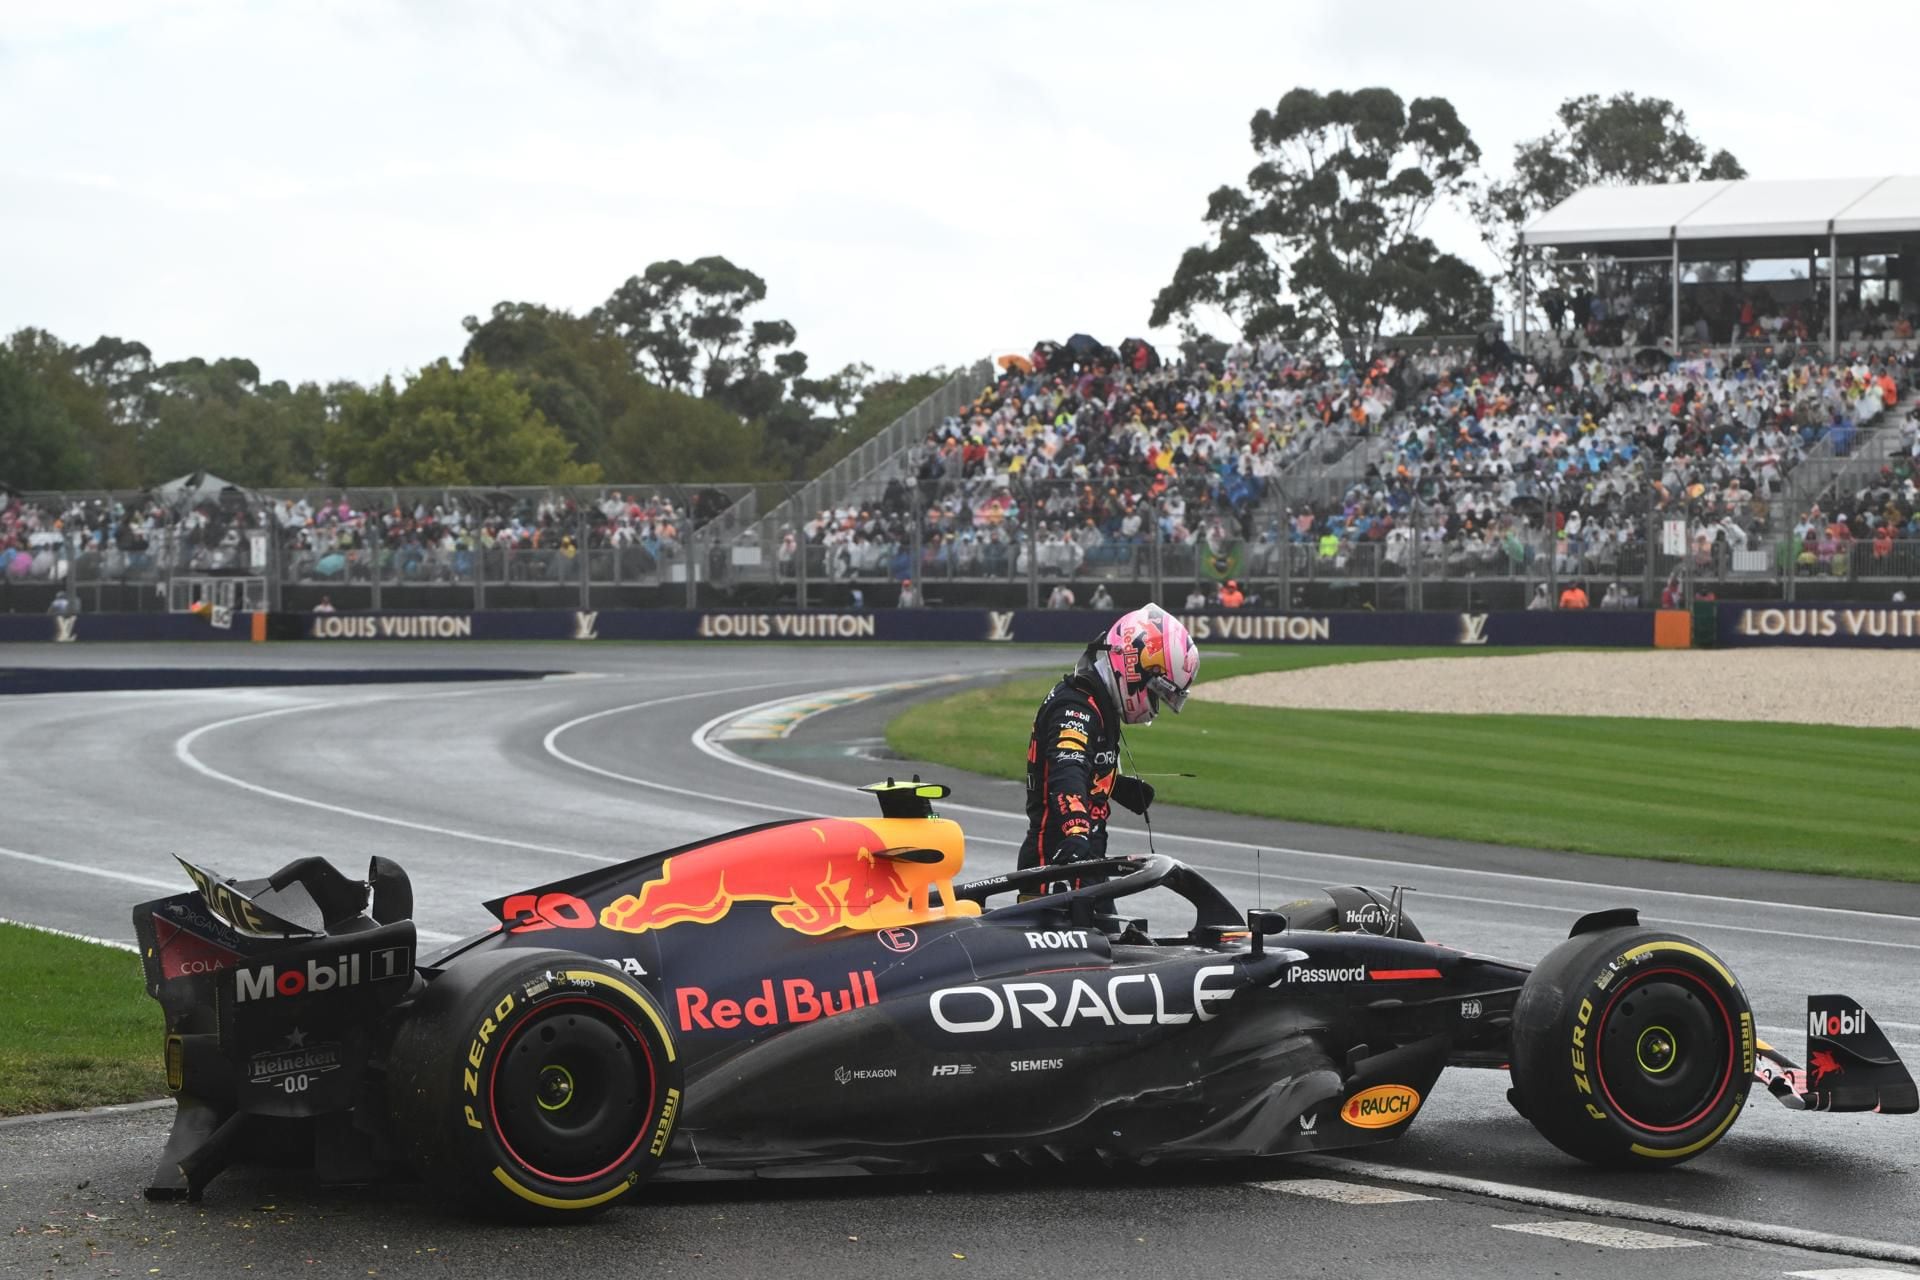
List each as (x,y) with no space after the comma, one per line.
(1262,923)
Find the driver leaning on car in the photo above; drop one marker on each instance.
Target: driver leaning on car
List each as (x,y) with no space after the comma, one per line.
(1144,661)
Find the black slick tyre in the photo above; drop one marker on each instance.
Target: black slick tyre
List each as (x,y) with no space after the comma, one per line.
(539,1085)
(1632,1047)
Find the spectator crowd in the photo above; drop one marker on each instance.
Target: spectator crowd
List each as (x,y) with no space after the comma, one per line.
(1080,457)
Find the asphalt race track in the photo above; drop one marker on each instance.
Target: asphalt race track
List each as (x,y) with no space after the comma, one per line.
(481,788)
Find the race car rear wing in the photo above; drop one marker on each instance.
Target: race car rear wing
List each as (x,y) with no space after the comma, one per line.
(1850,1064)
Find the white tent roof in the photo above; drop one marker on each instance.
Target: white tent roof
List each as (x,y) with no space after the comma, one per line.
(1888,207)
(1745,209)
(1620,213)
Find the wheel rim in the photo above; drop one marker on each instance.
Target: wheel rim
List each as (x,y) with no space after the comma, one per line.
(1663,1049)
(571,1091)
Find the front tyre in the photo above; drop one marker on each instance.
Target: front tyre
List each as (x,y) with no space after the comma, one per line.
(535,1084)
(1632,1047)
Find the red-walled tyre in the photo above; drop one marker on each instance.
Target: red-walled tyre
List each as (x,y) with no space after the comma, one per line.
(534,1084)
(1632,1047)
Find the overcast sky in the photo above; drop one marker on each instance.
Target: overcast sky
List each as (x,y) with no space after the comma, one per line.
(328,188)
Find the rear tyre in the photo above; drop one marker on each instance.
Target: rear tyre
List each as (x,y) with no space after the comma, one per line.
(1632,1047)
(534,1084)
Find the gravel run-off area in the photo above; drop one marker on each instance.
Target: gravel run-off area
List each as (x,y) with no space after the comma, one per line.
(1858,687)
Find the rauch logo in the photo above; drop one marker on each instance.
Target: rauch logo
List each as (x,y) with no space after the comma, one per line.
(1380,1106)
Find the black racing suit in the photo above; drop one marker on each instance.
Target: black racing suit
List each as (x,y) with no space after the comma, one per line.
(1073,776)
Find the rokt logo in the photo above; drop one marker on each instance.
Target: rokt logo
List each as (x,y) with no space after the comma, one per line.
(1380,1106)
(267,981)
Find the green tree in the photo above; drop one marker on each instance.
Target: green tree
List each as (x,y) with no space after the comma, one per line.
(664,435)
(881,401)
(686,328)
(259,436)
(1624,140)
(583,380)
(108,437)
(450,426)
(579,377)
(1323,246)
(39,446)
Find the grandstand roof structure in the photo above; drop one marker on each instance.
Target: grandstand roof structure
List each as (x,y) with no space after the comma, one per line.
(1747,218)
(1750,217)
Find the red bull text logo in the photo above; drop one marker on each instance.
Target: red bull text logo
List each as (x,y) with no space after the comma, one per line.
(796,1000)
(821,876)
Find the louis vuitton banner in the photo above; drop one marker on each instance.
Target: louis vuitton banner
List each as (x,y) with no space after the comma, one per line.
(1015,626)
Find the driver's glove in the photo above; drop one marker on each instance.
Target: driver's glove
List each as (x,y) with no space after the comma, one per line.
(1071,849)
(1132,793)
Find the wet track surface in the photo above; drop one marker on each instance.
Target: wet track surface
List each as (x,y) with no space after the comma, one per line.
(482,788)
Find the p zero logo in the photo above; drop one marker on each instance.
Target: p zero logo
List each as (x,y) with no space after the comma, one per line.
(1381,1106)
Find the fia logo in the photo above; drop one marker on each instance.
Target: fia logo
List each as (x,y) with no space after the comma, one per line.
(584,625)
(1469,1010)
(63,630)
(1000,625)
(1473,628)
(1307,1123)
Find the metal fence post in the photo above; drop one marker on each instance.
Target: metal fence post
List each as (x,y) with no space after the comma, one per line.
(1415,599)
(802,553)
(1553,550)
(1647,596)
(586,555)
(1033,543)
(1155,568)
(914,566)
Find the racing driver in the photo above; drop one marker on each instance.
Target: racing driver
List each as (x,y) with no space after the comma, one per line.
(1146,660)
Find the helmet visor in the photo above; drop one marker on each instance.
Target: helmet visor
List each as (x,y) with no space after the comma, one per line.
(1161,691)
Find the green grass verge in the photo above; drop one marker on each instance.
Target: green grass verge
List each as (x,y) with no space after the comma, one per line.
(76,1026)
(1785,797)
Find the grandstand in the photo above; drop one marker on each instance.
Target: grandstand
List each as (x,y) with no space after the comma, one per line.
(1683,422)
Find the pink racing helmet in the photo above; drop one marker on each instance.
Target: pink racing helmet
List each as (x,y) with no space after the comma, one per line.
(1150,660)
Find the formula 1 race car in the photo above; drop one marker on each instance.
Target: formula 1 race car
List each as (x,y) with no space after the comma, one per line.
(819,995)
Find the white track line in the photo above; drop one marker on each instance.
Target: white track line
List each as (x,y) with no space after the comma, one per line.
(65,933)
(704,740)
(1600,1234)
(1626,1210)
(1340,1192)
(124,877)
(145,882)
(183,752)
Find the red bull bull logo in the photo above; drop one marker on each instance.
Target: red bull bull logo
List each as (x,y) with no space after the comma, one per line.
(820,875)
